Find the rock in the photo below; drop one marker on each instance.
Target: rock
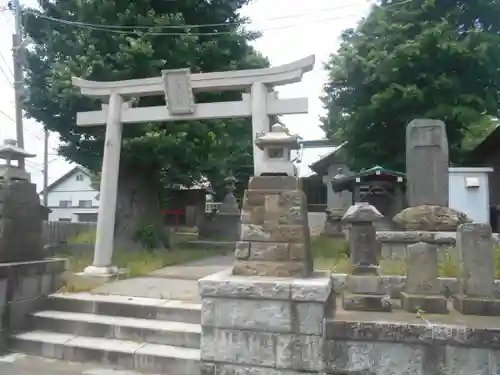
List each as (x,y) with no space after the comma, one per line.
(430,218)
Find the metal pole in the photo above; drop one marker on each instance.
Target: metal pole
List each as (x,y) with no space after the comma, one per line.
(45,167)
(18,76)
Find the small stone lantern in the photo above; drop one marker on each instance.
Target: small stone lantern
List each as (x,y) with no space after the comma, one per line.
(277,146)
(10,152)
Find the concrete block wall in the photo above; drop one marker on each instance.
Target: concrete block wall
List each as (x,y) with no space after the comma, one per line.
(23,287)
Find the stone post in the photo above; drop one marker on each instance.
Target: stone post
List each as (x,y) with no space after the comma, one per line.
(476,280)
(103,252)
(422,289)
(364,288)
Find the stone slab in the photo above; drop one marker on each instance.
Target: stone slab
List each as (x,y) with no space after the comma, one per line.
(317,288)
(366,302)
(264,315)
(476,306)
(365,284)
(270,268)
(429,304)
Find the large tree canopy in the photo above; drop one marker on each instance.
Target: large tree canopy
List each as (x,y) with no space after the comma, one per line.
(151,37)
(413,59)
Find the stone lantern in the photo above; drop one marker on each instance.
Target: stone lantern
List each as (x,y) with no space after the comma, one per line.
(277,146)
(10,152)
(229,203)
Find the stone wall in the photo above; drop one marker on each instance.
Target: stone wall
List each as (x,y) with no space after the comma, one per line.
(395,243)
(23,287)
(256,325)
(378,348)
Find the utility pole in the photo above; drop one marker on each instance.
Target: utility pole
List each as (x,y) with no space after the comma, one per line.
(45,167)
(17,46)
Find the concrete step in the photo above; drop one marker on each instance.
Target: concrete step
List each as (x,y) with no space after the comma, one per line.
(131,307)
(120,328)
(131,355)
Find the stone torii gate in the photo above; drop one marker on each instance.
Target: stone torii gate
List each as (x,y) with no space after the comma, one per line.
(178,86)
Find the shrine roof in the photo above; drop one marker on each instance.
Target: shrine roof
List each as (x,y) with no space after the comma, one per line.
(374,171)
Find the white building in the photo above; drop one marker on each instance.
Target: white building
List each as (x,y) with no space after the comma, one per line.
(72,198)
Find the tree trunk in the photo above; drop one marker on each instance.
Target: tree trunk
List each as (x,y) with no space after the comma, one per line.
(137,206)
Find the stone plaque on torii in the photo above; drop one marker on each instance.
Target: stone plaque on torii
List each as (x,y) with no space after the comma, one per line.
(179,86)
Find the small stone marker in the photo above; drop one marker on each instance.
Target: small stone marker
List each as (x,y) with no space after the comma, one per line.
(364,288)
(427,163)
(476,280)
(422,289)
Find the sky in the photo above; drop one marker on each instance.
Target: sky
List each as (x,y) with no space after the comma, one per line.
(292,29)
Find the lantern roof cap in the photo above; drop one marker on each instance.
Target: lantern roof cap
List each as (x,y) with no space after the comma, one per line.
(278,136)
(10,150)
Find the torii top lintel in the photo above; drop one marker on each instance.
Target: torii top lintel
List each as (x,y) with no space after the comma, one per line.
(216,81)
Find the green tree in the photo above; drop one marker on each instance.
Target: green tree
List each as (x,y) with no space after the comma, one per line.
(413,59)
(153,154)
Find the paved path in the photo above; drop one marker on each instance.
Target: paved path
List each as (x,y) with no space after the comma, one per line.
(21,364)
(174,282)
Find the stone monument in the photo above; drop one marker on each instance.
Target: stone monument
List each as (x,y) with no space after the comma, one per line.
(422,289)
(476,279)
(427,166)
(25,276)
(364,287)
(275,233)
(427,163)
(273,324)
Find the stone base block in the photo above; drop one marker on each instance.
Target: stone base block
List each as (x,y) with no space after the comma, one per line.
(365,284)
(476,306)
(366,302)
(117,274)
(429,304)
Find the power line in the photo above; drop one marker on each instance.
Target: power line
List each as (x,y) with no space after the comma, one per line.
(7,116)
(115,28)
(188,26)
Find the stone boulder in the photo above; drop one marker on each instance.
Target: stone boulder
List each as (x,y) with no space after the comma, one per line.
(430,218)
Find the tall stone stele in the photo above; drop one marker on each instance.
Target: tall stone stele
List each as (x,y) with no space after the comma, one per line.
(275,233)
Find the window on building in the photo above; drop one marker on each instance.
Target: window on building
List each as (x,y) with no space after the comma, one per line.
(85,204)
(87,218)
(79,177)
(64,220)
(64,204)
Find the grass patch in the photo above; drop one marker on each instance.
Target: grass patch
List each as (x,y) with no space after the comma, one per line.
(332,254)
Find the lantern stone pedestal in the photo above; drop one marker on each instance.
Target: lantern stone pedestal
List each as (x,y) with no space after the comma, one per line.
(25,276)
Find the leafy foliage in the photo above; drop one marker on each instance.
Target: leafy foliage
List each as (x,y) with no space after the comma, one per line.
(407,60)
(181,151)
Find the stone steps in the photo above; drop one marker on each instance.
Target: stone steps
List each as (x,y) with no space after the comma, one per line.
(132,307)
(143,334)
(154,358)
(120,328)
